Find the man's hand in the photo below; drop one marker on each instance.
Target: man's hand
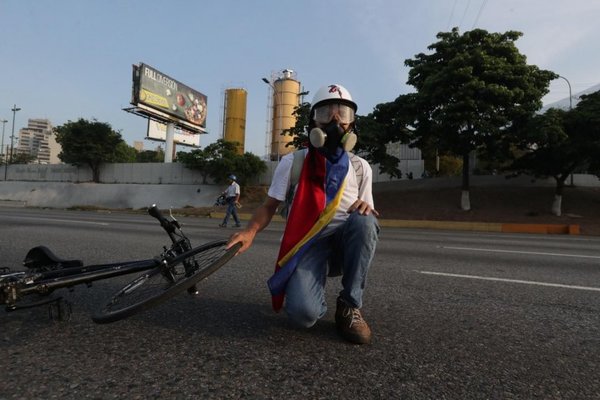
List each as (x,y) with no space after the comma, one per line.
(362,207)
(260,219)
(245,237)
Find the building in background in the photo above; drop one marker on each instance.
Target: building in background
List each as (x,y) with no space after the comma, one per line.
(234,117)
(284,99)
(410,159)
(39,141)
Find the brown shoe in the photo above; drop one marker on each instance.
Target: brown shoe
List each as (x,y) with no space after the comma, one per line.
(350,323)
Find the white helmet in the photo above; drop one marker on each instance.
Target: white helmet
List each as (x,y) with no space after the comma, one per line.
(336,93)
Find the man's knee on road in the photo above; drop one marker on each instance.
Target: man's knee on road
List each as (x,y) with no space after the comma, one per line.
(301,313)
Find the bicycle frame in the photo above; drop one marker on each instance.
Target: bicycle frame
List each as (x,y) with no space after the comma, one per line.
(15,285)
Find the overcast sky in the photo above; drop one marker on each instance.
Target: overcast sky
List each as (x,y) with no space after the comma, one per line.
(70,59)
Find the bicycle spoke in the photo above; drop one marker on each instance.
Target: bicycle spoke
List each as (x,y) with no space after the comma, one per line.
(165,281)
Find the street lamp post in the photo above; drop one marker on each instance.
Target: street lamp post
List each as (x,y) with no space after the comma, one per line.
(4,121)
(570,95)
(14,110)
(570,108)
(275,93)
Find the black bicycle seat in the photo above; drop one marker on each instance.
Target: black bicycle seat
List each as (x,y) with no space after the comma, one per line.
(43,257)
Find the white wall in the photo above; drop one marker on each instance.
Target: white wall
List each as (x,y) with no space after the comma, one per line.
(134,196)
(177,174)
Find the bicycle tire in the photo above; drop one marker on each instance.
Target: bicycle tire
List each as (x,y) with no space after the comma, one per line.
(154,287)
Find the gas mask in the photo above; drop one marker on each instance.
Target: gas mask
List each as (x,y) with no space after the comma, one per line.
(332,137)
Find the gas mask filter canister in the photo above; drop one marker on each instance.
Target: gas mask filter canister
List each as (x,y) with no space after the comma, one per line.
(332,137)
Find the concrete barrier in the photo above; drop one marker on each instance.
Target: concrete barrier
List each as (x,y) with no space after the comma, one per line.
(134,196)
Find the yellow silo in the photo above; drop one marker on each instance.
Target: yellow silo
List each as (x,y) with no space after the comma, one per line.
(286,97)
(234,119)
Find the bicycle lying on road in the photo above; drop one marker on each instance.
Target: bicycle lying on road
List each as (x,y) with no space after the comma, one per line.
(179,267)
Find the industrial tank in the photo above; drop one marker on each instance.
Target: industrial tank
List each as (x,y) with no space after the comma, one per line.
(234,119)
(286,97)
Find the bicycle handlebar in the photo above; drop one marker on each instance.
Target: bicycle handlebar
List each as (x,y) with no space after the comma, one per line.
(167,225)
(172,228)
(155,212)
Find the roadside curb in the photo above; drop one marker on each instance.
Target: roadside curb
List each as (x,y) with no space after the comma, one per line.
(13,203)
(569,229)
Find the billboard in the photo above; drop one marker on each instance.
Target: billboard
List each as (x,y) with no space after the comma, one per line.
(158,131)
(162,96)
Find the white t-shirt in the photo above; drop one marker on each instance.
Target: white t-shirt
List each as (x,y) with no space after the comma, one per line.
(232,190)
(280,185)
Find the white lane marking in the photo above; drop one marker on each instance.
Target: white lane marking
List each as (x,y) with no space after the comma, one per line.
(537,253)
(487,278)
(65,220)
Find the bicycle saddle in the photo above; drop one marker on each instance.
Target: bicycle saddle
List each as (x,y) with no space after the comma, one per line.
(41,256)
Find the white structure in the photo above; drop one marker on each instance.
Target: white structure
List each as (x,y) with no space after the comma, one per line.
(38,140)
(411,161)
(572,101)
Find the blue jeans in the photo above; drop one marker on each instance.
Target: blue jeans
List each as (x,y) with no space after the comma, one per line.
(349,251)
(231,210)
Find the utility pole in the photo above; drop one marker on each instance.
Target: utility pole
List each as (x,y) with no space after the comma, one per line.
(14,110)
(4,121)
(278,107)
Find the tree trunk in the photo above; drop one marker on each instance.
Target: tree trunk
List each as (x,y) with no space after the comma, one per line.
(465,201)
(558,192)
(557,205)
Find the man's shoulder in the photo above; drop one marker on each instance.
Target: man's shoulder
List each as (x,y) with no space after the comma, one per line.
(292,154)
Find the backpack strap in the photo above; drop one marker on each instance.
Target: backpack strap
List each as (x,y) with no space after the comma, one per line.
(358,168)
(299,157)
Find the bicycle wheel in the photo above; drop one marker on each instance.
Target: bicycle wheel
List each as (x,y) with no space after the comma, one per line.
(163,282)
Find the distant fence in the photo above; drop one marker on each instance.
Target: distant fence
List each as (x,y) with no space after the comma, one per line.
(152,173)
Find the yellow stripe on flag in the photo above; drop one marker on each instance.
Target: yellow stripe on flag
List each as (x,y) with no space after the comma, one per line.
(325,217)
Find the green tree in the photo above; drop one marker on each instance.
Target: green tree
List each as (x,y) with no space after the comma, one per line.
(559,143)
(151,156)
(220,159)
(471,90)
(22,158)
(298,131)
(247,167)
(90,143)
(588,110)
(125,153)
(388,123)
(215,160)
(197,159)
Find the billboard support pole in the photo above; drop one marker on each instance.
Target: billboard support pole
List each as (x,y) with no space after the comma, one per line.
(169,142)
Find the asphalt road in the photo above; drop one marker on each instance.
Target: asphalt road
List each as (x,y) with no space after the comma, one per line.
(455,315)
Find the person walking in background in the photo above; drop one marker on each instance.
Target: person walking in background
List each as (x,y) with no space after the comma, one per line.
(331,228)
(232,199)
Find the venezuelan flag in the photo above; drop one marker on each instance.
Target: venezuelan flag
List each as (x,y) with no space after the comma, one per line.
(319,193)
